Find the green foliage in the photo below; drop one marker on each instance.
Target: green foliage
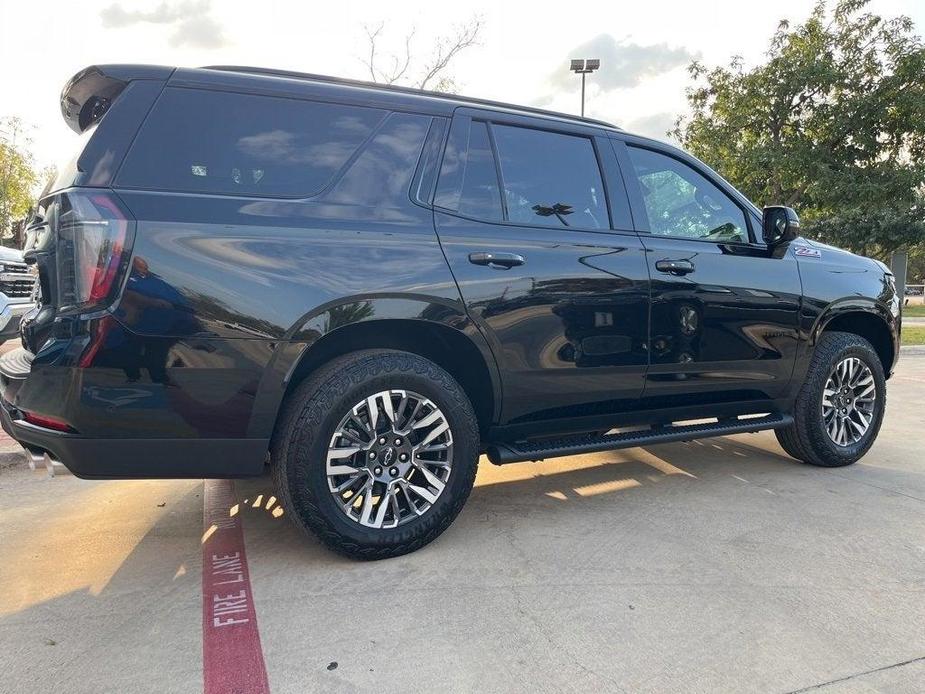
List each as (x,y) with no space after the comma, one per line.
(915,272)
(17,174)
(672,208)
(913,335)
(832,124)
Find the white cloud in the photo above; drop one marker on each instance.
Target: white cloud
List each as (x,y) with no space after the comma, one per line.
(199,32)
(655,125)
(117,16)
(623,63)
(191,20)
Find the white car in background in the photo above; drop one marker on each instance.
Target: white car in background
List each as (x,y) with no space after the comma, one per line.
(16,283)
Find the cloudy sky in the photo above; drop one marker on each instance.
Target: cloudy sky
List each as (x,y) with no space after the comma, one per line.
(522,57)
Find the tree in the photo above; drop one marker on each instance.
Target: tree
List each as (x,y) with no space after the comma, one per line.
(915,272)
(429,73)
(17,174)
(16,237)
(833,124)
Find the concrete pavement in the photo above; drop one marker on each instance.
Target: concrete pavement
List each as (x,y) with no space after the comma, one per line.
(710,566)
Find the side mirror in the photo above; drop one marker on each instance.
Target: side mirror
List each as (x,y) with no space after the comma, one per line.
(779,224)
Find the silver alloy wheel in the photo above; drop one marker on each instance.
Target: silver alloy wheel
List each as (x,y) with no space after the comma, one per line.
(390,458)
(848,401)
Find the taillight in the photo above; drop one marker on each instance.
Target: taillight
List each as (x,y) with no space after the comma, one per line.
(47,421)
(92,249)
(98,335)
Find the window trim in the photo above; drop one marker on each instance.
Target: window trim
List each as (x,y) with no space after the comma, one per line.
(638,203)
(501,188)
(490,118)
(455,125)
(427,170)
(498,175)
(466,122)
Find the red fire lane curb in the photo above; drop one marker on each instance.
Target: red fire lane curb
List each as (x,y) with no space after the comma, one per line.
(232,658)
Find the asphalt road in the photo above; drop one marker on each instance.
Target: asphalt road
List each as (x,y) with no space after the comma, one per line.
(711,566)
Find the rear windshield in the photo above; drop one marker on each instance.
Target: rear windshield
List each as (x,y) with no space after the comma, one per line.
(242,144)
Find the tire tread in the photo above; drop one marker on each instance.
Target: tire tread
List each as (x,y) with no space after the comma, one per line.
(320,394)
(805,439)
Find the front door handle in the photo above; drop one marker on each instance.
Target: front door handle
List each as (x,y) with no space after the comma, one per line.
(499,261)
(675,267)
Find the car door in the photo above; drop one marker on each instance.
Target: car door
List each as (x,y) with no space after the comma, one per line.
(724,308)
(534,221)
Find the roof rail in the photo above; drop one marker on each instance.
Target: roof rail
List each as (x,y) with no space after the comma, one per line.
(404,90)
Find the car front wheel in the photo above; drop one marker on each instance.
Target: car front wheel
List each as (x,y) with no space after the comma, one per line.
(839,409)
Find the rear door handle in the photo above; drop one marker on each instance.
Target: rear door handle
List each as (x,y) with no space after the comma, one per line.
(674,267)
(499,261)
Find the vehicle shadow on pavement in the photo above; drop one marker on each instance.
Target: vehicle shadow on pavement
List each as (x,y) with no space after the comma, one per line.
(560,498)
(549,488)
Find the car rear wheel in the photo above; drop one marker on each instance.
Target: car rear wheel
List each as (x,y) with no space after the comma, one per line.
(839,409)
(376,453)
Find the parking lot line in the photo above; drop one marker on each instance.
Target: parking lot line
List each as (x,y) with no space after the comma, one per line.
(232,657)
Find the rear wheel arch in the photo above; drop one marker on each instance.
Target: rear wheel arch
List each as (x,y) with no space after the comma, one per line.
(454,350)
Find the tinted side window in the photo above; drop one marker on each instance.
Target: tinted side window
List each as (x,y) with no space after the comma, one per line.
(379,177)
(550,179)
(682,202)
(220,142)
(468,177)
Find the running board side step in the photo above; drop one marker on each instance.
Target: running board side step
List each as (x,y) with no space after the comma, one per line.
(539,449)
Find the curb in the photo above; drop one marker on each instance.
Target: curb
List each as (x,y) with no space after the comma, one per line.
(12,458)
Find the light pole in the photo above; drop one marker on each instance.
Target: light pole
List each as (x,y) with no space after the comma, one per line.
(584,66)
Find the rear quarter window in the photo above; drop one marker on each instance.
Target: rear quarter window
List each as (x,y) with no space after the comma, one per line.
(243,144)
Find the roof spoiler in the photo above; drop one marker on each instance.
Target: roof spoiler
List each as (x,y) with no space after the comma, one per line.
(88,95)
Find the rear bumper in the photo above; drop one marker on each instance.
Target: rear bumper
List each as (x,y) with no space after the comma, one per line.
(140,458)
(97,457)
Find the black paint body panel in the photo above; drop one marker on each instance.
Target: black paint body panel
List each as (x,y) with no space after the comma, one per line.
(226,295)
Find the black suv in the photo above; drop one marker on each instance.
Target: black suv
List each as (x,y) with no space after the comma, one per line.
(366,287)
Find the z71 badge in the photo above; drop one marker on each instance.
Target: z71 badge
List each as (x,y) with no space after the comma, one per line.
(807,252)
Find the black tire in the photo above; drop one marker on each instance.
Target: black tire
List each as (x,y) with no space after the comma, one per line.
(807,439)
(309,419)
(786,437)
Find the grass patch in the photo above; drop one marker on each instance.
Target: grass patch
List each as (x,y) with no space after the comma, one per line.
(914,334)
(916,311)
